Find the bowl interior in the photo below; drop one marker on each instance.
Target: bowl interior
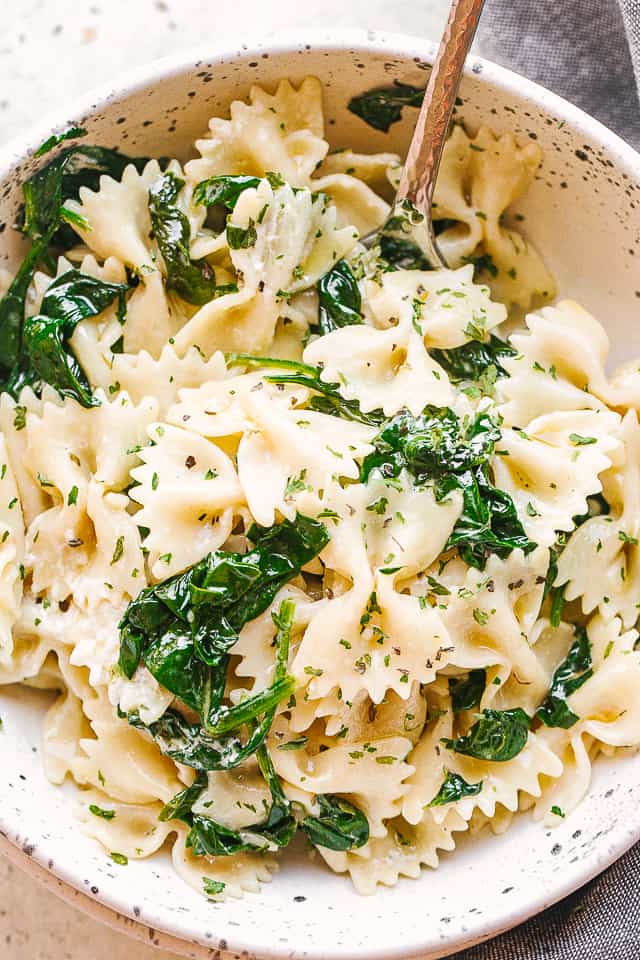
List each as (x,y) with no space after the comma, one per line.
(583,213)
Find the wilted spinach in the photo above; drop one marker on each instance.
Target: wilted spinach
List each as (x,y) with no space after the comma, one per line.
(216,744)
(455,787)
(402,254)
(241,238)
(340,825)
(466,692)
(498,735)
(339,301)
(470,361)
(330,400)
(568,677)
(194,282)
(184,627)
(45,354)
(436,446)
(223,190)
(382,107)
(45,220)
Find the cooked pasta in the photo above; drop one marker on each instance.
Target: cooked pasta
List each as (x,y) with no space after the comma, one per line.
(302,539)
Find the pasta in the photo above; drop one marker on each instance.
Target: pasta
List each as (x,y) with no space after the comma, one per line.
(300,537)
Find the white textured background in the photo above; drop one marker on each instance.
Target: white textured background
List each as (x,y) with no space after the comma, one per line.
(51,51)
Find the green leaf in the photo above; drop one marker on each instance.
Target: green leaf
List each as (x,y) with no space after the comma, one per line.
(119,858)
(488,524)
(212,887)
(240,238)
(382,107)
(470,361)
(180,806)
(49,362)
(184,628)
(568,677)
(70,298)
(339,301)
(57,138)
(100,812)
(454,788)
(46,191)
(194,282)
(207,837)
(330,400)
(498,735)
(483,263)
(340,825)
(402,254)
(74,296)
(224,190)
(45,221)
(466,692)
(200,613)
(436,446)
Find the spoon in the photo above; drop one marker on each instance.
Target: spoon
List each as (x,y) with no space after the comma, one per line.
(410,218)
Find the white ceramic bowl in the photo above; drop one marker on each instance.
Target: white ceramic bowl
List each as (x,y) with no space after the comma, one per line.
(583,213)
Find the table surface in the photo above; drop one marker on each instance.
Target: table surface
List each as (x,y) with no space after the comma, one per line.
(50,51)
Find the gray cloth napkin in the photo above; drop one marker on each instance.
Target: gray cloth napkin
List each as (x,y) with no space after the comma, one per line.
(589,52)
(586,50)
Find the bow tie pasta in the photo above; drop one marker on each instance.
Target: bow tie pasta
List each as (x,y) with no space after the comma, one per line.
(303,540)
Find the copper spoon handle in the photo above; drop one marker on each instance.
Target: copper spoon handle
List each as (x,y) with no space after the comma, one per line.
(418,180)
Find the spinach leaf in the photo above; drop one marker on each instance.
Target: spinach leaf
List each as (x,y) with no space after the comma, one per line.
(43,221)
(179,807)
(57,138)
(597,506)
(194,282)
(241,238)
(466,692)
(223,190)
(435,446)
(488,524)
(455,787)
(12,308)
(212,887)
(569,676)
(498,735)
(402,254)
(556,594)
(330,400)
(432,445)
(207,837)
(482,262)
(74,296)
(339,301)
(340,825)
(46,191)
(216,597)
(189,743)
(70,298)
(470,361)
(382,107)
(217,745)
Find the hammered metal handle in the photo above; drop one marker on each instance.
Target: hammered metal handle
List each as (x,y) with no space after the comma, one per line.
(418,179)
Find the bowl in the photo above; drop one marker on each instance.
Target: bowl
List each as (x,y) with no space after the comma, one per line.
(583,213)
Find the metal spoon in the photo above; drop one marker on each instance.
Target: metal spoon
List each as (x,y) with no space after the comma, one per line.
(410,218)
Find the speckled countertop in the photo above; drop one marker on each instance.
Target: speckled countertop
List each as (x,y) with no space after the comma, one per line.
(51,51)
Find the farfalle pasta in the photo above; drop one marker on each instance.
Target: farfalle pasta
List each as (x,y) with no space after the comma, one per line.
(303,540)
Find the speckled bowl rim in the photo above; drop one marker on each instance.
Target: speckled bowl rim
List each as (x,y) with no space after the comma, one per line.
(117,913)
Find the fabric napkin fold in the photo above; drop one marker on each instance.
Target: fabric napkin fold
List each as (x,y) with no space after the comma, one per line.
(586,50)
(589,52)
